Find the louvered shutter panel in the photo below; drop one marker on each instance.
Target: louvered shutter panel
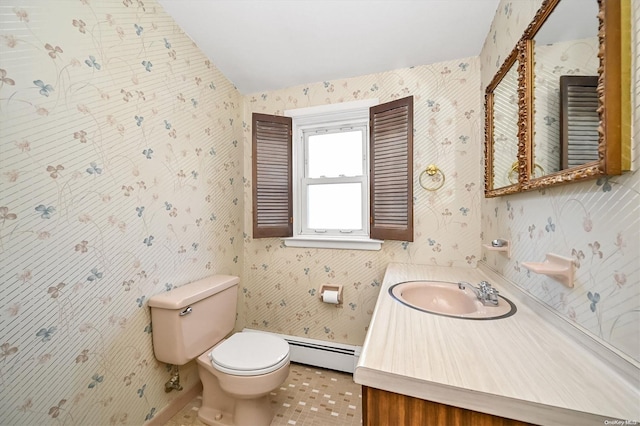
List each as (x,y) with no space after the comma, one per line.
(391,170)
(579,120)
(272,198)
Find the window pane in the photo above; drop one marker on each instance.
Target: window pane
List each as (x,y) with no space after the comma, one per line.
(335,206)
(335,154)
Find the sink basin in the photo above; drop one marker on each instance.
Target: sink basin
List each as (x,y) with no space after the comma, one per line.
(445,298)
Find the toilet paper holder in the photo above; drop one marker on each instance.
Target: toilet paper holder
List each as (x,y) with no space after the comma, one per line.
(331,287)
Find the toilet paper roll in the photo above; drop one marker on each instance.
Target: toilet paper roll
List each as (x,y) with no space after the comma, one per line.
(330,296)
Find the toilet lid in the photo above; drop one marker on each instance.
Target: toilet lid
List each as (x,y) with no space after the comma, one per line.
(250,354)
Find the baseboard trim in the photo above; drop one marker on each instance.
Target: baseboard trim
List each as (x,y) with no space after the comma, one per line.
(175,406)
(320,353)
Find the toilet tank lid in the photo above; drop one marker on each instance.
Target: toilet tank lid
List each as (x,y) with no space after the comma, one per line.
(183,296)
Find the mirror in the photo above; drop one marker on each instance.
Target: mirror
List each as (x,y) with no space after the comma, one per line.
(568,136)
(502,130)
(565,79)
(573,115)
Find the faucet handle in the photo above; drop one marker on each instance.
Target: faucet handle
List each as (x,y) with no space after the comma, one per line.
(485,286)
(492,295)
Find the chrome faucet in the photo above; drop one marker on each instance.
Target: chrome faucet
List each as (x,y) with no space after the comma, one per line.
(484,292)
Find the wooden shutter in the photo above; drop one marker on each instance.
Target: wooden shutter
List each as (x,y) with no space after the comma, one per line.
(272,199)
(391,170)
(579,120)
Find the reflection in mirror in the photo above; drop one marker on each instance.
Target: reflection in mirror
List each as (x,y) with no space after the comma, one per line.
(579,120)
(503,118)
(505,130)
(566,122)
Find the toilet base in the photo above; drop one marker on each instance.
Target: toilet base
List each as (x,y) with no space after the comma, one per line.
(220,408)
(208,415)
(247,412)
(253,412)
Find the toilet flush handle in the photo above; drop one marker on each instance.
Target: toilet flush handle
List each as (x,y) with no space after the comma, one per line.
(188,310)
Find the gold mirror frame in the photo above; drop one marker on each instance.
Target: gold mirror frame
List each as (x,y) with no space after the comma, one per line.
(489,190)
(613,103)
(609,98)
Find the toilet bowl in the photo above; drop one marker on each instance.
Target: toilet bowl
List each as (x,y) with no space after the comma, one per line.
(237,376)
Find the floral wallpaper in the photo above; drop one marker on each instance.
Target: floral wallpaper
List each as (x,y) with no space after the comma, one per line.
(577,57)
(120,178)
(125,171)
(596,222)
(280,284)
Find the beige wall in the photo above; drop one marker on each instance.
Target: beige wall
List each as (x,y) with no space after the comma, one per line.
(76,273)
(596,222)
(280,284)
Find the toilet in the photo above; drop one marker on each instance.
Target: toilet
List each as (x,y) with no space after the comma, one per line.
(237,372)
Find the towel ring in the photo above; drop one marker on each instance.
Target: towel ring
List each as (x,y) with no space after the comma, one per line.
(432,170)
(535,167)
(513,173)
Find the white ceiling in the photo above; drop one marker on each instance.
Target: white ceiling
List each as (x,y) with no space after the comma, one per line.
(263,45)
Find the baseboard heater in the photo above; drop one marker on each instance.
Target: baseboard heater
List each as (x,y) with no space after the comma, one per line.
(319,353)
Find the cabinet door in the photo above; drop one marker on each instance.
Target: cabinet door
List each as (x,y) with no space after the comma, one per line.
(387,408)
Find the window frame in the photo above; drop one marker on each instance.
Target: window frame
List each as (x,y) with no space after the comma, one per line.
(345,115)
(305,181)
(390,158)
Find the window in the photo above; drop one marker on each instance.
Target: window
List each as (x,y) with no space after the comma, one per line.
(334,190)
(339,173)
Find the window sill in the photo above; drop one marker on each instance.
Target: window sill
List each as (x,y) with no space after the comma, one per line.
(353,243)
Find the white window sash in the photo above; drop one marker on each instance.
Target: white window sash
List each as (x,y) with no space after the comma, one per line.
(362,179)
(346,115)
(363,231)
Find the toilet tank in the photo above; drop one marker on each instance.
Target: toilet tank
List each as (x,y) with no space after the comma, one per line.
(190,319)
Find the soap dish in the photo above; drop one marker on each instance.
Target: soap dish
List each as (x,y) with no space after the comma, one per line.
(506,248)
(555,266)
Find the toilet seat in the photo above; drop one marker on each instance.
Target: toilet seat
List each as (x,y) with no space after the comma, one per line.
(250,354)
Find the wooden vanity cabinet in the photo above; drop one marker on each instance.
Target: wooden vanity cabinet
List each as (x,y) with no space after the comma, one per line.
(387,408)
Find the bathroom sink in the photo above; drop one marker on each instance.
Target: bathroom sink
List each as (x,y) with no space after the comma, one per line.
(448,299)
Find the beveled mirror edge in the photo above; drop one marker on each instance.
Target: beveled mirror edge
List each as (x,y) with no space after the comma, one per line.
(609,77)
(489,191)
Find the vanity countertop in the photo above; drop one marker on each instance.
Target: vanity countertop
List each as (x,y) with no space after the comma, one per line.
(521,367)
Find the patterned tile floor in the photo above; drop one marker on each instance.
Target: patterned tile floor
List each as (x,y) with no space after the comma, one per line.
(310,396)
